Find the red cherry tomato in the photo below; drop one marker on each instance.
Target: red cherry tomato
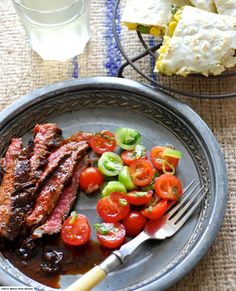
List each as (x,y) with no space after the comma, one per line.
(75,230)
(156,156)
(111,235)
(141,172)
(155,209)
(90,180)
(168,187)
(103,141)
(128,157)
(139,197)
(134,223)
(113,207)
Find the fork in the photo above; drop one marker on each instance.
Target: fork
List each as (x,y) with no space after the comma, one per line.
(175,217)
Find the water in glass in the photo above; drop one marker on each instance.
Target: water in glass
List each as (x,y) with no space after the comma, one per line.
(57,29)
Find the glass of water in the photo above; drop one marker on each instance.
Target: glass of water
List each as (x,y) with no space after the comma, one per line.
(57,29)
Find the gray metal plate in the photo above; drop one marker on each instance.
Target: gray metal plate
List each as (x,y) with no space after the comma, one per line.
(93,104)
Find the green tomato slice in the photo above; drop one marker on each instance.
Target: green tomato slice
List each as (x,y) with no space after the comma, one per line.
(171,153)
(113,186)
(127,138)
(125,178)
(110,164)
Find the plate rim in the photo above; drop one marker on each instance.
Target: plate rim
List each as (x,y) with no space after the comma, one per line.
(188,114)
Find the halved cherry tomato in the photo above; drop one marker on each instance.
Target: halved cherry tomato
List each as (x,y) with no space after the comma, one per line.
(125,178)
(113,207)
(155,209)
(90,180)
(138,153)
(139,197)
(113,186)
(110,235)
(134,223)
(141,172)
(168,187)
(75,229)
(127,157)
(110,164)
(127,138)
(162,163)
(103,141)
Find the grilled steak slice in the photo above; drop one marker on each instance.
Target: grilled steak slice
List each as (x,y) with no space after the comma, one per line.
(47,137)
(2,169)
(23,167)
(69,145)
(29,167)
(53,187)
(23,196)
(7,186)
(79,136)
(63,206)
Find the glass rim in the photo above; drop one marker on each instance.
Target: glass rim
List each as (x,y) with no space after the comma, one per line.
(45,11)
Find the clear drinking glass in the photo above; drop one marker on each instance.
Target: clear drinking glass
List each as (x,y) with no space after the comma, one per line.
(57,29)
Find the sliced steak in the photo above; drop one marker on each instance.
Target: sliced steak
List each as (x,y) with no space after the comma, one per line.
(79,136)
(70,144)
(47,137)
(7,186)
(63,206)
(53,187)
(23,167)
(2,169)
(23,195)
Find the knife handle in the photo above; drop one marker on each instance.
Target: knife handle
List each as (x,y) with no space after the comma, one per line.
(95,275)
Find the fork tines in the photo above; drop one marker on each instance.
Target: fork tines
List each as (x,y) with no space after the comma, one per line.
(190,200)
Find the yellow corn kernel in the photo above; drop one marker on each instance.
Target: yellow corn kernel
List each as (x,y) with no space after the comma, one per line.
(162,49)
(172,26)
(155,31)
(166,40)
(177,17)
(131,26)
(158,65)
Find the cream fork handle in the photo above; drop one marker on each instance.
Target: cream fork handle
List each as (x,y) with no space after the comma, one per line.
(89,280)
(98,273)
(95,275)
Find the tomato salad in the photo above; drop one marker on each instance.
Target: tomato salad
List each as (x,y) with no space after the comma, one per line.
(139,189)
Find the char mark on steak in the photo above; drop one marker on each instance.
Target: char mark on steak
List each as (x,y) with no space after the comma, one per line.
(69,145)
(23,195)
(7,186)
(23,167)
(54,222)
(53,187)
(47,137)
